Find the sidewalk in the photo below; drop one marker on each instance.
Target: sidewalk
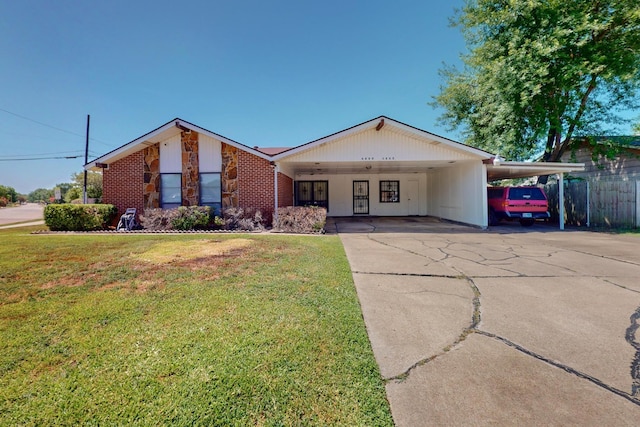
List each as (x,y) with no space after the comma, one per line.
(24,224)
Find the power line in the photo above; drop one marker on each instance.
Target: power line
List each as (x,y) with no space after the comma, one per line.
(53,127)
(40,158)
(40,154)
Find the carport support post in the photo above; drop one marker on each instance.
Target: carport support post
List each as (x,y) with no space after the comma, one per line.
(275,187)
(561,199)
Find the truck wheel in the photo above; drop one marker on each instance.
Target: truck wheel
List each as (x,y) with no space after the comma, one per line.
(526,222)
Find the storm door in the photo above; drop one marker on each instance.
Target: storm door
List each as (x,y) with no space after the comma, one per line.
(360,197)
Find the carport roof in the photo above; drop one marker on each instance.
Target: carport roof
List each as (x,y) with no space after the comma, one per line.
(497,169)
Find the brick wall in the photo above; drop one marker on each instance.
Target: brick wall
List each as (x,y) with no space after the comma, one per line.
(285,190)
(123,183)
(255,183)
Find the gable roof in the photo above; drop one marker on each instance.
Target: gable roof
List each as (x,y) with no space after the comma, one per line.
(162,133)
(379,123)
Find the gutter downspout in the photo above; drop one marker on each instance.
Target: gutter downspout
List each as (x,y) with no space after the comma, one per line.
(275,195)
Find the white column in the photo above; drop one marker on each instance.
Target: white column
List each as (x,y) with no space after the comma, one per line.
(561,199)
(275,196)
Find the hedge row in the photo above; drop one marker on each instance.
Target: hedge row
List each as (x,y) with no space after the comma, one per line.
(71,217)
(78,217)
(181,218)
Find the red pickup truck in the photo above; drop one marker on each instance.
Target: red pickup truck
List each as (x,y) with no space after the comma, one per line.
(523,203)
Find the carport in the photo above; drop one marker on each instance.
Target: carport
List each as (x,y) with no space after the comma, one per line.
(383,167)
(498,169)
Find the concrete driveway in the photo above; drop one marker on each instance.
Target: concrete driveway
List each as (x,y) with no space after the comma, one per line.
(511,326)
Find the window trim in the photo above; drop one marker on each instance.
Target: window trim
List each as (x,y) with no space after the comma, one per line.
(161,191)
(218,203)
(388,191)
(313,202)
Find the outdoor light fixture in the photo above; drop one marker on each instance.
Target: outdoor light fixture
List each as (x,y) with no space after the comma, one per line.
(187,131)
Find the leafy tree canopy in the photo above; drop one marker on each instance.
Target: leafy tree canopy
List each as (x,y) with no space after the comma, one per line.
(8,193)
(540,72)
(40,195)
(94,183)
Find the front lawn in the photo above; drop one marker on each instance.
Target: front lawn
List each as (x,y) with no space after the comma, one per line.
(183,330)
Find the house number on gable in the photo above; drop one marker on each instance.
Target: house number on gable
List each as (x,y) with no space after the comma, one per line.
(373,158)
(388,158)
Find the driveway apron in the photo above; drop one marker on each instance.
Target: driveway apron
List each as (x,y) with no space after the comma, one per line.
(508,326)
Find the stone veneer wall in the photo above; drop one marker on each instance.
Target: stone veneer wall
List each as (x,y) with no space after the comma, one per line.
(151,156)
(190,169)
(229,176)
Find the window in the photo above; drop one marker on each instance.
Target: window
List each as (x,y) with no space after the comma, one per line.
(312,193)
(389,191)
(170,190)
(211,192)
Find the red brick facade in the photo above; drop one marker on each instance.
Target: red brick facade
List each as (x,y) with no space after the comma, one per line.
(255,183)
(123,183)
(285,190)
(132,183)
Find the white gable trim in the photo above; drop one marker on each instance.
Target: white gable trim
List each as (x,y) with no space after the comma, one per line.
(380,123)
(160,134)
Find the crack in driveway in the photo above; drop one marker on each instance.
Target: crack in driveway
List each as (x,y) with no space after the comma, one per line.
(630,336)
(445,248)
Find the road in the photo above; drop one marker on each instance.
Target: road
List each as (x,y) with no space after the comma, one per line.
(27,212)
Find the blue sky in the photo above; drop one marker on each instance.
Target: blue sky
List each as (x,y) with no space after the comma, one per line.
(276,73)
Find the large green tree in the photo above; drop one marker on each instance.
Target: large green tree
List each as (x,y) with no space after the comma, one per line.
(539,72)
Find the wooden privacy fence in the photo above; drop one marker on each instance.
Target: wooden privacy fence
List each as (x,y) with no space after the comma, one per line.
(603,204)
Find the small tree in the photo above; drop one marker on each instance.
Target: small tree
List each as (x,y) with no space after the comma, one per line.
(8,193)
(94,184)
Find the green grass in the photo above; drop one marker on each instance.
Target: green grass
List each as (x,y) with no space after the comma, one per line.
(112,329)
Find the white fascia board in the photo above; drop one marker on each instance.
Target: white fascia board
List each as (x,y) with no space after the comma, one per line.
(221,138)
(418,133)
(134,145)
(421,134)
(327,139)
(552,166)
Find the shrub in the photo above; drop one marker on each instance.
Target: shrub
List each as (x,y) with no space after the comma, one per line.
(299,219)
(78,217)
(3,202)
(249,219)
(192,218)
(181,218)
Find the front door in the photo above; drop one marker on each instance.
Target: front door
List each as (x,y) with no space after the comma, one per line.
(360,197)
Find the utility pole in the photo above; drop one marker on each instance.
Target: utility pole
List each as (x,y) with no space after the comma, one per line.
(86,160)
